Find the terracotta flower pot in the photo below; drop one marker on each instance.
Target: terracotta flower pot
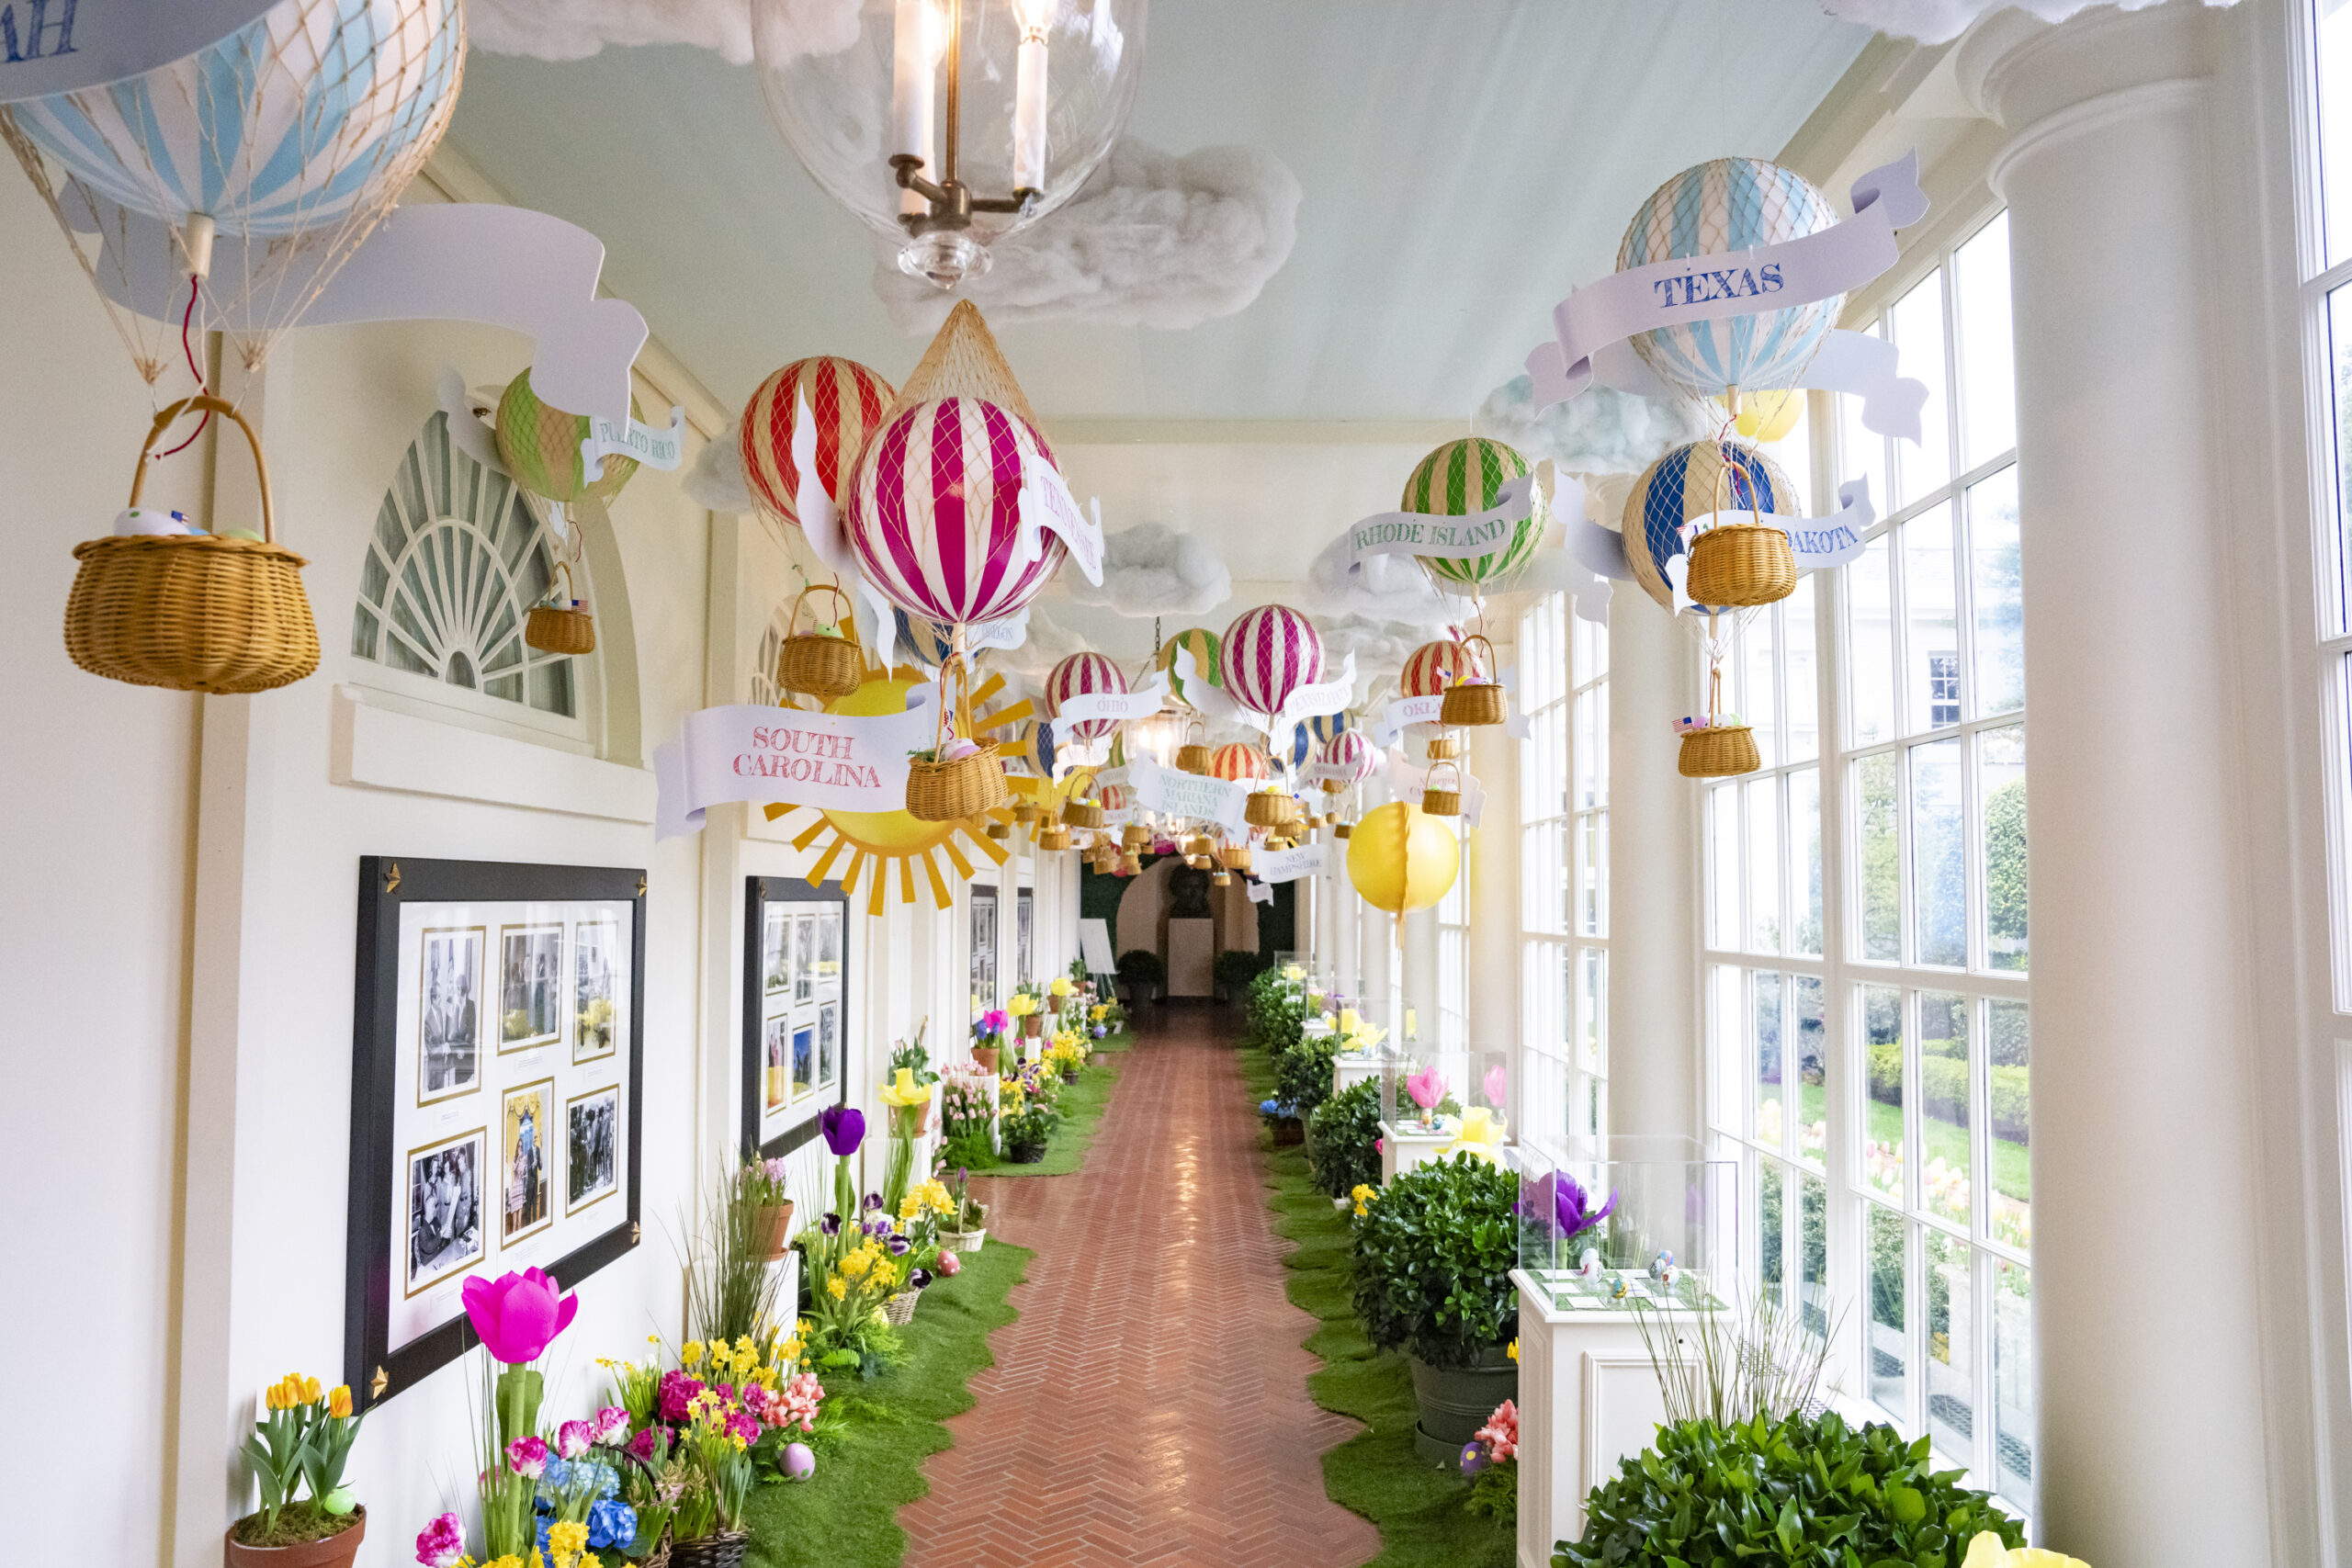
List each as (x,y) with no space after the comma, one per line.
(1032,1024)
(335,1551)
(773,1231)
(985,1056)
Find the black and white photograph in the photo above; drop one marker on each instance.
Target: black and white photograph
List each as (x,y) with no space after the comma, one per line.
(448,1053)
(530,987)
(776,1072)
(828,949)
(803,959)
(445,1228)
(591,1148)
(595,959)
(829,1022)
(1025,936)
(776,952)
(524,1157)
(983,948)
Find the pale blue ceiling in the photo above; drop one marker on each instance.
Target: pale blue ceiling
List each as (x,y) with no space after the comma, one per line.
(1463,161)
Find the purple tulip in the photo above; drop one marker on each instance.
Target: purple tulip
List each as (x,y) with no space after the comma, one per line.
(831,1223)
(1557,1194)
(844,1128)
(517,1315)
(873,1203)
(919,1279)
(900,1247)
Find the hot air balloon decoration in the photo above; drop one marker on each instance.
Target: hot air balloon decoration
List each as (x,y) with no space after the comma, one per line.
(1268,654)
(843,399)
(1084,674)
(1461,479)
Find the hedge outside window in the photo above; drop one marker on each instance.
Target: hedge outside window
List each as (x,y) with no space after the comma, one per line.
(1865,929)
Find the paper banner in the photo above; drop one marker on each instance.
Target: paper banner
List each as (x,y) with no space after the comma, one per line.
(1407,781)
(1402,712)
(1141,703)
(1819,542)
(1307,702)
(1852,362)
(652,448)
(1714,287)
(747,751)
(1259,893)
(1325,773)
(1220,801)
(1110,776)
(1010,632)
(1436,534)
(43,50)
(1047,504)
(1286,865)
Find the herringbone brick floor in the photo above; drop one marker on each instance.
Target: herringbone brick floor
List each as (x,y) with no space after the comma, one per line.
(1149,1405)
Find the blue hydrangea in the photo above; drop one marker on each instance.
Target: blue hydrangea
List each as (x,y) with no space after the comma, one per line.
(611,1522)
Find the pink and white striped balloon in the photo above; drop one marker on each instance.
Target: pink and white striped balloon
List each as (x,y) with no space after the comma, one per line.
(1268,652)
(934,511)
(1083,675)
(1349,750)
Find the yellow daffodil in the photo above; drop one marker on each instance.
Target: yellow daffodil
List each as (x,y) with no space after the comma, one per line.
(1061,985)
(1481,1134)
(1513,1351)
(1986,1552)
(1100,1011)
(339,1401)
(566,1541)
(905,1091)
(836,1288)
(1363,1195)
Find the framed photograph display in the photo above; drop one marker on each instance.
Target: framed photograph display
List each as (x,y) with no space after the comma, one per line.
(796,1008)
(984,932)
(1025,936)
(496,1074)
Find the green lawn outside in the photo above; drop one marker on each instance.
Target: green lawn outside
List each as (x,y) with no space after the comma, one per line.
(2011,1172)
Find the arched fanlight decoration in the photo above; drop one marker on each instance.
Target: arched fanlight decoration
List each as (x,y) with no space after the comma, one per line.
(948,124)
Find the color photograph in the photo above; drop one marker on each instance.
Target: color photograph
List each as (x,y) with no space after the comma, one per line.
(804,1041)
(524,1161)
(444,1229)
(829,1019)
(448,1048)
(596,961)
(776,1074)
(530,987)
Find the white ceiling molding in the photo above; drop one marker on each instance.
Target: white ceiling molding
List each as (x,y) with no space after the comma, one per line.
(1150,240)
(1939,21)
(1150,570)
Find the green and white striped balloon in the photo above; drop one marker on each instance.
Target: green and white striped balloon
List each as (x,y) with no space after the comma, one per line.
(1462,478)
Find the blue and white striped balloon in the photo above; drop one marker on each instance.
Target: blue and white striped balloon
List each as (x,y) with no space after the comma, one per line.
(1715,208)
(318,110)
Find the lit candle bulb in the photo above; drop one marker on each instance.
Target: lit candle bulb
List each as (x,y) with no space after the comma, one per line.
(1029,96)
(917,40)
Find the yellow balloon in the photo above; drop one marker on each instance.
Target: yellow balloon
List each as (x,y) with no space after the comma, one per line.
(1401,858)
(1768,416)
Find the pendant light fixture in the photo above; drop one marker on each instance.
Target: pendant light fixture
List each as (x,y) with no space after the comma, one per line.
(947,124)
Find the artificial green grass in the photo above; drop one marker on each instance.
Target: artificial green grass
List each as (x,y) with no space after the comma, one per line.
(871,1462)
(1420,1510)
(1082,1104)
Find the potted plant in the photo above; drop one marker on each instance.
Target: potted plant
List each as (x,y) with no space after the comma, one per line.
(1028,1009)
(303,1442)
(1344,1137)
(1235,968)
(764,1189)
(1281,1119)
(987,1036)
(1434,1258)
(909,1118)
(966,1229)
(913,1057)
(1143,974)
(1028,1119)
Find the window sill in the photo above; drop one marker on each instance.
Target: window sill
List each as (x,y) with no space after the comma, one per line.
(375,747)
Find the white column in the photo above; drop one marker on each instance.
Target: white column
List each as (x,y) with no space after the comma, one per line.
(1492,866)
(1655,1048)
(2152,1438)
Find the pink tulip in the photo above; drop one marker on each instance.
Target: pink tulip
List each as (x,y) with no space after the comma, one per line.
(1427,1088)
(517,1315)
(574,1439)
(1496,1084)
(612,1424)
(442,1543)
(527,1457)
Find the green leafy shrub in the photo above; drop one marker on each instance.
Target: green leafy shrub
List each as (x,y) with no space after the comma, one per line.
(1943,1089)
(1141,968)
(1236,968)
(1275,1014)
(1434,1254)
(1303,1074)
(1806,1493)
(1340,1138)
(1886,1072)
(2012,1104)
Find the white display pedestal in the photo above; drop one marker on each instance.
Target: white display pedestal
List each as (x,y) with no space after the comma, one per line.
(1349,1071)
(787,1275)
(1588,1397)
(1191,958)
(1402,1148)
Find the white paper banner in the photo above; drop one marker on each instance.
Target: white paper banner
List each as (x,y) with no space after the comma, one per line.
(1220,801)
(1141,703)
(1325,773)
(1213,705)
(834,762)
(1287,865)
(1435,534)
(1047,504)
(1110,776)
(652,448)
(1402,712)
(1010,632)
(1408,780)
(1704,288)
(1260,894)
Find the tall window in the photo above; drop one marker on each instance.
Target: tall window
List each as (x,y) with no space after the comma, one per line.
(2327,296)
(1454,964)
(1865,924)
(1564,880)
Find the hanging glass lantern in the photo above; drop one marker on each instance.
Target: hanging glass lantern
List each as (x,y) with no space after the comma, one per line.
(948,124)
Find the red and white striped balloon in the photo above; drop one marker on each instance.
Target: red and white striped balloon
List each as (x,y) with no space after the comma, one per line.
(1350,751)
(1432,668)
(1268,653)
(1113,797)
(1239,763)
(1083,675)
(934,511)
(845,399)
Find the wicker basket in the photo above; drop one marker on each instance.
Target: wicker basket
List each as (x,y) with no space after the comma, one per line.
(1199,844)
(1193,758)
(964,1241)
(1444,747)
(1721,752)
(1198,862)
(1053,836)
(1000,830)
(710,1551)
(1333,786)
(819,666)
(1473,700)
(1135,836)
(1221,879)
(192,612)
(1265,808)
(560,629)
(1132,863)
(1082,814)
(899,1310)
(1026,812)
(1237,858)
(1436,802)
(949,792)
(1342,830)
(1742,564)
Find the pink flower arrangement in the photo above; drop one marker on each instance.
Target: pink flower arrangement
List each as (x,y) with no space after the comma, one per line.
(1500,1434)
(442,1543)
(518,1316)
(677,1397)
(743,1426)
(574,1439)
(643,1447)
(1427,1088)
(527,1457)
(797,1404)
(611,1425)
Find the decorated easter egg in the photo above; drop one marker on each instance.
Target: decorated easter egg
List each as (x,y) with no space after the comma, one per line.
(799,1463)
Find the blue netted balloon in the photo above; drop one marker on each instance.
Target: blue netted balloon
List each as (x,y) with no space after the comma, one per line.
(927,642)
(1036,747)
(1715,208)
(1689,483)
(1324,726)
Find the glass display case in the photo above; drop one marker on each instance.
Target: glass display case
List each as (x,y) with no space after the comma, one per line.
(1621,1224)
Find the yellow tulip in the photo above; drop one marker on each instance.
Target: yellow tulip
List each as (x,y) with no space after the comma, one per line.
(274,1396)
(339,1402)
(1986,1552)
(311,1392)
(1513,1351)
(905,1091)
(1481,1134)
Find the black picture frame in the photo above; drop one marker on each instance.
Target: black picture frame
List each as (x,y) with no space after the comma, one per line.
(374,1371)
(759,892)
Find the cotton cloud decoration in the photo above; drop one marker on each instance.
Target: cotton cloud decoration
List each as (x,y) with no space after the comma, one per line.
(1388,588)
(574,29)
(1939,21)
(1049,643)
(1379,649)
(1150,570)
(1152,240)
(1604,431)
(717,482)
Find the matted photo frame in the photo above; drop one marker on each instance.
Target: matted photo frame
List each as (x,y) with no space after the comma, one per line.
(497,1077)
(796,1009)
